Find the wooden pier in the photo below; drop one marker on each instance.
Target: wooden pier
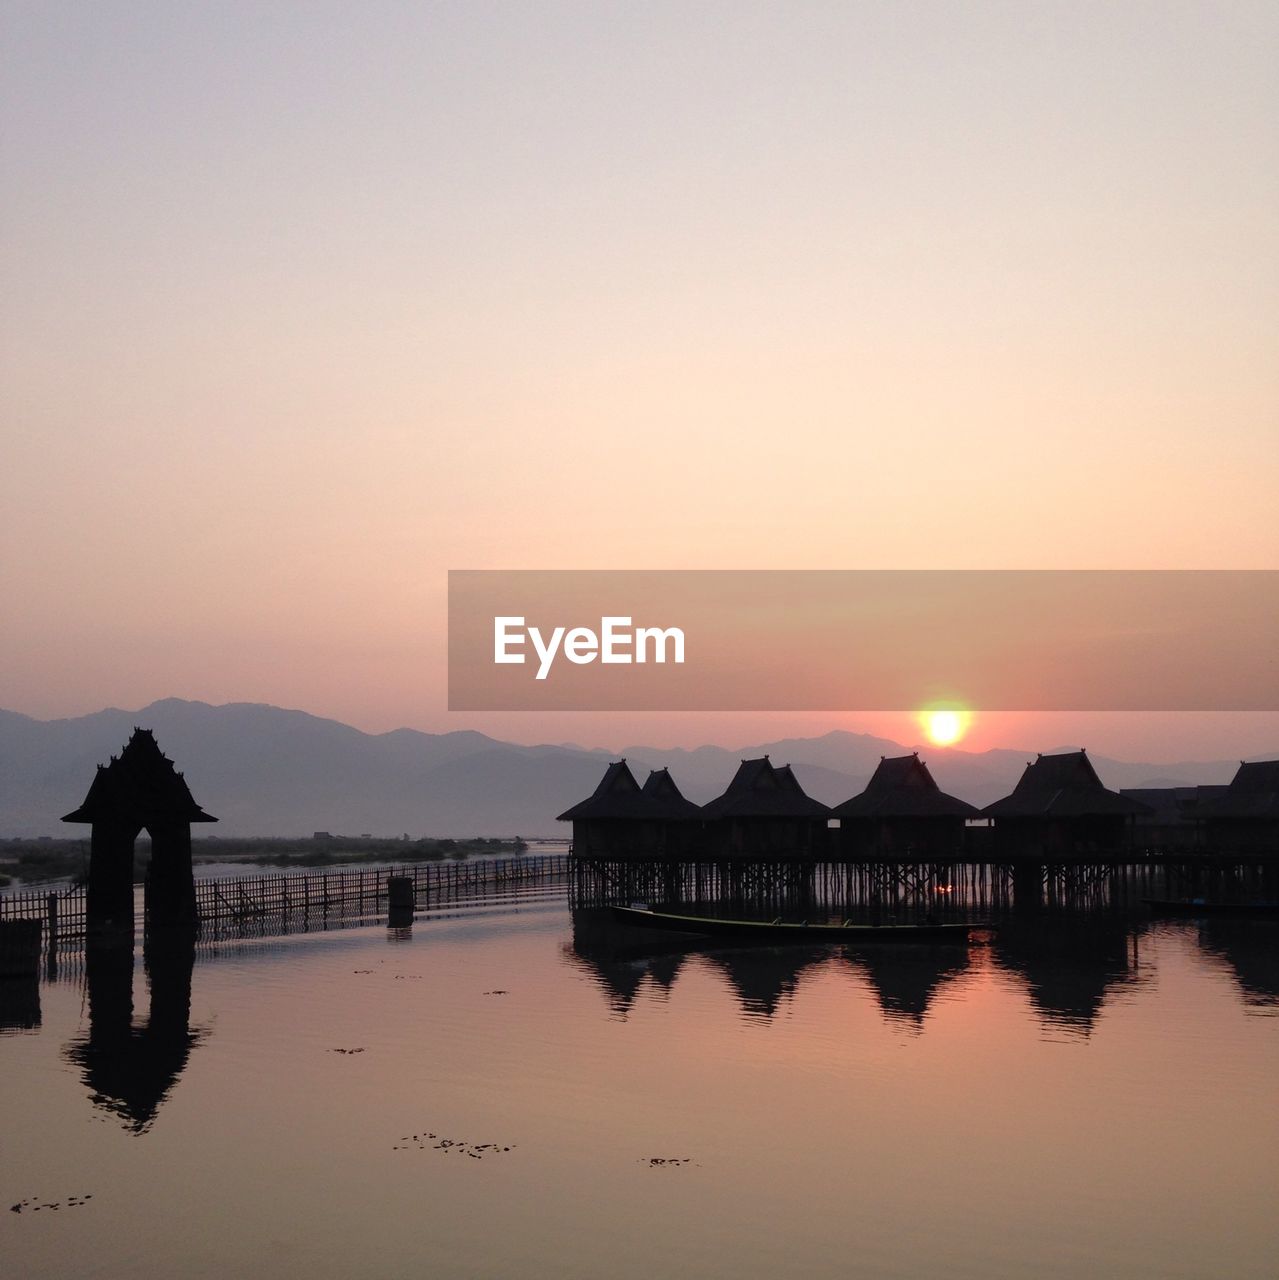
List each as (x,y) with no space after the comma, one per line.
(872,890)
(863,889)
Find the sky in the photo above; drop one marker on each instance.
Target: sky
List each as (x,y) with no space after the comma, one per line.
(303,306)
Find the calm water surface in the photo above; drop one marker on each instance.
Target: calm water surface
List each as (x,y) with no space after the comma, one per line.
(526,1093)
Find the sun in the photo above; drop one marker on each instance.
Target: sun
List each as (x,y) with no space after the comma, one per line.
(945,726)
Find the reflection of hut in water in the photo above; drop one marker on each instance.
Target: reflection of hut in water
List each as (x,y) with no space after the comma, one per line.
(130,1070)
(139,789)
(617,960)
(1069,964)
(902,810)
(1245,818)
(664,969)
(621,819)
(1175,815)
(765,977)
(906,978)
(620,979)
(1059,807)
(763,813)
(1251,950)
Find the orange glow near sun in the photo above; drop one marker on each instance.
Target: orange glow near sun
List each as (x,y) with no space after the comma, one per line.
(945,726)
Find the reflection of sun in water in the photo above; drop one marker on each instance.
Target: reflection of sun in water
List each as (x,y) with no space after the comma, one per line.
(944,725)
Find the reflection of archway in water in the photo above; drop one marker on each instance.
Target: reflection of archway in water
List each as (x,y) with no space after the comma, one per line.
(1249,950)
(129,1070)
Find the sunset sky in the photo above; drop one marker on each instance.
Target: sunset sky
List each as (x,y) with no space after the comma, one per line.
(303,306)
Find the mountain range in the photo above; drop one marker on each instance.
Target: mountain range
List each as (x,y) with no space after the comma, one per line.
(267,771)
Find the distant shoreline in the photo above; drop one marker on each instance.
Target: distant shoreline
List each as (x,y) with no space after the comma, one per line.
(40,861)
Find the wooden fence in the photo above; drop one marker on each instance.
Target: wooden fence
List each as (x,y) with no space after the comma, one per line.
(271,903)
(61,912)
(319,894)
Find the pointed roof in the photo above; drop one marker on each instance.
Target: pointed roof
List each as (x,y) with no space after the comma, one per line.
(902,787)
(759,790)
(617,796)
(660,788)
(141,786)
(1062,786)
(1253,793)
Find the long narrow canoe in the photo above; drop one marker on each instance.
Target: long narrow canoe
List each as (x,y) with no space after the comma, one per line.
(775,931)
(1198,907)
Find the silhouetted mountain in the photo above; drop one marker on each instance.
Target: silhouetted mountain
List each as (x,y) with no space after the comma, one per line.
(268,771)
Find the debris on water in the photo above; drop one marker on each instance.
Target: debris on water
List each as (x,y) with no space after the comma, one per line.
(666,1162)
(434,1142)
(497,991)
(34,1205)
(361,970)
(359,1050)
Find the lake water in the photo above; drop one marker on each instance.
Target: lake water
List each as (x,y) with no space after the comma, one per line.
(519,1090)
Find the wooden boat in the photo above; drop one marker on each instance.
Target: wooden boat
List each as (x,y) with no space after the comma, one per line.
(778,931)
(1200,907)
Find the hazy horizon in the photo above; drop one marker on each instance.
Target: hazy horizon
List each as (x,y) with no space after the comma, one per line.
(302,310)
(1152,737)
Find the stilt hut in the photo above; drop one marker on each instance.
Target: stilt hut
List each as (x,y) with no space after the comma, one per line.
(1176,817)
(902,811)
(681,819)
(765,813)
(1246,818)
(140,789)
(1060,808)
(617,820)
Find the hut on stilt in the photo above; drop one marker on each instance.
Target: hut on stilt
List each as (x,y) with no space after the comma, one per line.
(1060,808)
(1245,819)
(765,813)
(901,811)
(681,819)
(621,819)
(1176,817)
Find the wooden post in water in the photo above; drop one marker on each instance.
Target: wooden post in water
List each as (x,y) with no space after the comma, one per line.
(399,893)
